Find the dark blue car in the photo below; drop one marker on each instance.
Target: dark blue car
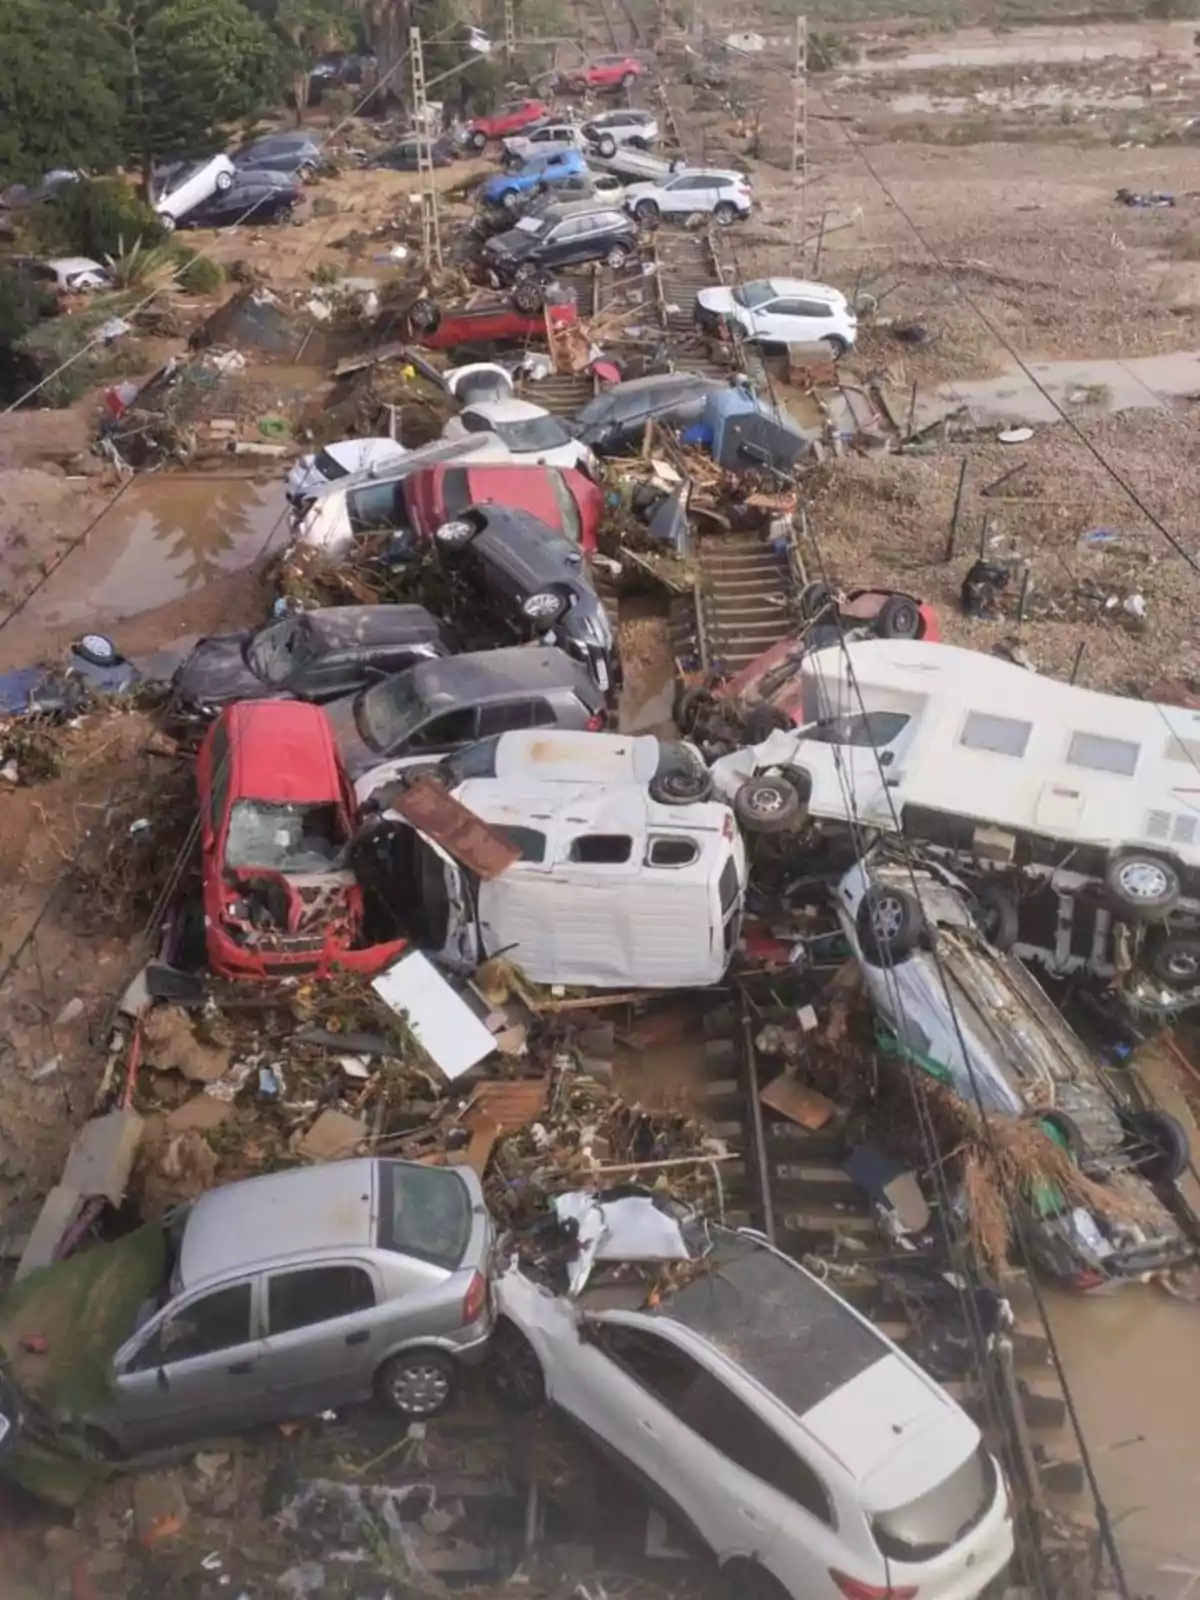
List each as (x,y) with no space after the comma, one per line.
(506,188)
(93,665)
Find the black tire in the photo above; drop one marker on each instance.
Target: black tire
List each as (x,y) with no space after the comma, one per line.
(815,600)
(1065,1132)
(515,1370)
(543,608)
(510,199)
(762,721)
(528,296)
(425,315)
(1160,1148)
(837,347)
(899,618)
(477,140)
(767,805)
(681,786)
(97,649)
(889,924)
(417,1383)
(998,917)
(1142,885)
(691,707)
(167,222)
(1176,961)
(726,213)
(747,1580)
(646,212)
(616,257)
(607,146)
(455,534)
(224,181)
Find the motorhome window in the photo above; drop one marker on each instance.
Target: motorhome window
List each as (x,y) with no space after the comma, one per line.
(1182,750)
(607,849)
(1104,754)
(528,841)
(1003,736)
(866,729)
(672,852)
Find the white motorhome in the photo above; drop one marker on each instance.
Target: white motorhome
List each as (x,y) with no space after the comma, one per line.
(997,764)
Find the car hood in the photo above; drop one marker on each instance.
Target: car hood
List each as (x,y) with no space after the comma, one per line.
(216,672)
(356,753)
(717,299)
(515,242)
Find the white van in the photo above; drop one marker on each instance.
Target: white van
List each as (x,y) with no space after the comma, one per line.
(990,761)
(614,889)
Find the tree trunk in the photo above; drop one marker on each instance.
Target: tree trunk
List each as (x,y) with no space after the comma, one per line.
(386,28)
(300,82)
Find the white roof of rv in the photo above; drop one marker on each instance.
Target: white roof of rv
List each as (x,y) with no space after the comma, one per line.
(553,755)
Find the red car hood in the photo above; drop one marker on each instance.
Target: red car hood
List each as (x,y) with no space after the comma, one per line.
(537,490)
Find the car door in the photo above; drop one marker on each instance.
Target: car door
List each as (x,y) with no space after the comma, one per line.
(607,1382)
(808,321)
(568,242)
(324,1336)
(326,677)
(444,732)
(193,1370)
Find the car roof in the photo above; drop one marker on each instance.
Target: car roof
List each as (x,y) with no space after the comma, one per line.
(283,751)
(361,627)
(242,1224)
(802,286)
(726,174)
(494,674)
(568,755)
(580,208)
(626,395)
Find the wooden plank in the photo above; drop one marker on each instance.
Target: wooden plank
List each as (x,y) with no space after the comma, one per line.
(507,1103)
(478,1152)
(468,838)
(792,1100)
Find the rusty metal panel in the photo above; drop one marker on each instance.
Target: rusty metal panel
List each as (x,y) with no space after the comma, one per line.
(431,810)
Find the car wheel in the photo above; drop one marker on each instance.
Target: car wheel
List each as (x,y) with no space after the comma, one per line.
(97,649)
(889,924)
(646,212)
(616,258)
(607,146)
(477,140)
(544,608)
(747,1580)
(767,805)
(1177,961)
(510,199)
(1159,1145)
(814,600)
(691,707)
(837,347)
(725,213)
(307,171)
(515,1370)
(454,535)
(1143,886)
(681,786)
(424,315)
(224,182)
(528,296)
(899,618)
(997,916)
(525,271)
(628,81)
(166,222)
(417,1383)
(1065,1132)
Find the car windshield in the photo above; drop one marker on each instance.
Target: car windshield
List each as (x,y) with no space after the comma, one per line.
(752,295)
(285,837)
(276,651)
(530,225)
(533,433)
(424,1212)
(389,712)
(329,469)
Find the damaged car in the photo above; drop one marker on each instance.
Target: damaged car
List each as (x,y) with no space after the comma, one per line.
(92,666)
(277,818)
(971,1016)
(343,458)
(615,421)
(671,1344)
(313,655)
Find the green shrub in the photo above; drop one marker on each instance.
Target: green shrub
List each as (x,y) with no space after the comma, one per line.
(98,217)
(198,274)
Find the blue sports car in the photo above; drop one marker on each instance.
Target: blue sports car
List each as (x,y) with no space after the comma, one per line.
(508,188)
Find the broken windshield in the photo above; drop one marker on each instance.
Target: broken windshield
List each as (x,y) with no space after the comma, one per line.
(275,652)
(532,433)
(751,295)
(390,712)
(285,837)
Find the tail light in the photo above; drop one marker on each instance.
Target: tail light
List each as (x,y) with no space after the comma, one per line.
(475,1299)
(596,721)
(853,1589)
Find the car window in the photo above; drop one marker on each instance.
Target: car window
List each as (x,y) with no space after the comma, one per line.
(219,753)
(373,506)
(812,308)
(601,849)
(474,423)
(505,717)
(1003,736)
(456,727)
(929,1525)
(753,295)
(478,760)
(566,230)
(316,1294)
(867,729)
(657,1366)
(664,852)
(424,1212)
(568,511)
(280,649)
(285,837)
(529,841)
(741,1435)
(329,469)
(216,1321)
(533,433)
(1103,754)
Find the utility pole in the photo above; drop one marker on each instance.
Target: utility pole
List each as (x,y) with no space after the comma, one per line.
(510,31)
(800,143)
(431,237)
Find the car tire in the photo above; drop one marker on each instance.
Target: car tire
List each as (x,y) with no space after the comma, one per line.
(607,146)
(998,918)
(681,786)
(529,296)
(1176,961)
(97,649)
(889,924)
(1065,1132)
(748,1580)
(616,258)
(646,213)
(628,81)
(1161,1153)
(167,222)
(224,182)
(425,315)
(306,171)
(837,347)
(762,721)
(524,272)
(1142,885)
(417,1383)
(454,535)
(477,140)
(510,199)
(515,1371)
(899,618)
(543,608)
(726,214)
(691,707)
(767,805)
(815,600)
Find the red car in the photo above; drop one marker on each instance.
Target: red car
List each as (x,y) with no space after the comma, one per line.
(492,322)
(564,499)
(276,819)
(604,72)
(510,118)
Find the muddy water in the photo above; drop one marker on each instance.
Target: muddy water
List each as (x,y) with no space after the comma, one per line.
(980,48)
(166,537)
(1078,387)
(1031,97)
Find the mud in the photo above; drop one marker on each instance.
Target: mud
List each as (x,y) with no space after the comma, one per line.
(1096,387)
(982,48)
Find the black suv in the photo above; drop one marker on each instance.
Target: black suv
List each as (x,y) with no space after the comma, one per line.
(533,581)
(562,236)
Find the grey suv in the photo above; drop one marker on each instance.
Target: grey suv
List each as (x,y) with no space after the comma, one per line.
(307,1289)
(562,236)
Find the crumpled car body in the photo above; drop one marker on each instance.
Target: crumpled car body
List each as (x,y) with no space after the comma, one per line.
(276,822)
(60,689)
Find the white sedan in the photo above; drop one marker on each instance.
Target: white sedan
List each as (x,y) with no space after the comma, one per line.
(181,188)
(524,433)
(339,460)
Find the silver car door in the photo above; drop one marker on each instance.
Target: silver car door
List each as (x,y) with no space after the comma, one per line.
(323,1336)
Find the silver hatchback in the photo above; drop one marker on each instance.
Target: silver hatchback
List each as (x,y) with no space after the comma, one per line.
(305,1290)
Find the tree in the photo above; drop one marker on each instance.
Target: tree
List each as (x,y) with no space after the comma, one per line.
(306,30)
(60,98)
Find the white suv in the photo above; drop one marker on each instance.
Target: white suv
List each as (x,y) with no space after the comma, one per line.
(725,196)
(782,311)
(810,1454)
(549,136)
(623,126)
